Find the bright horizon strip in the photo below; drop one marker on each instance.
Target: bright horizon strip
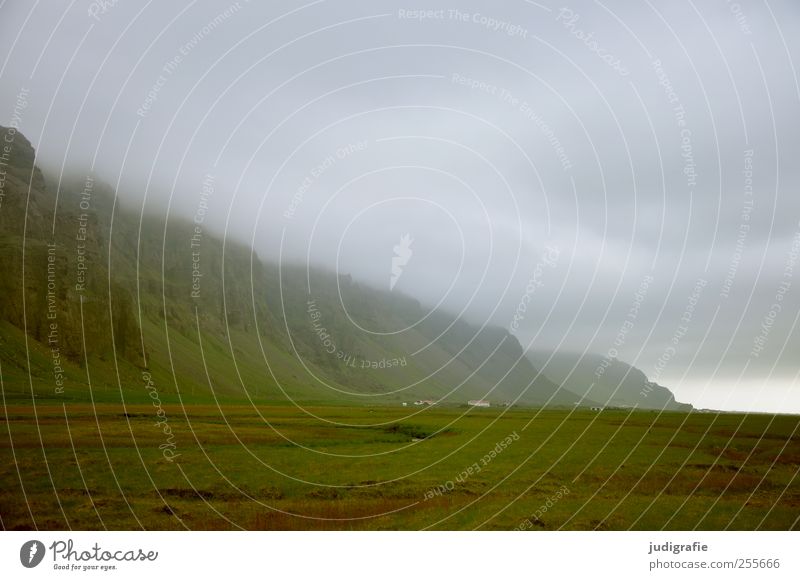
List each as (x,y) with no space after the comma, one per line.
(778,396)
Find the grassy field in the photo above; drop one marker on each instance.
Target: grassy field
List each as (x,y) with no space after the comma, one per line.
(204,466)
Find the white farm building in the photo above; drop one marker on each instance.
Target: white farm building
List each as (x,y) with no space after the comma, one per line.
(478,403)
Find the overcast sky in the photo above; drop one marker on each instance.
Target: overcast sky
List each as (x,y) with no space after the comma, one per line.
(627,171)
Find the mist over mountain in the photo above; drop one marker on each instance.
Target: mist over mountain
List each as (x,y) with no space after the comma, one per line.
(127,293)
(526,171)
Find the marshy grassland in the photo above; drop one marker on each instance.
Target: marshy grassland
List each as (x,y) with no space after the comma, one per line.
(77,465)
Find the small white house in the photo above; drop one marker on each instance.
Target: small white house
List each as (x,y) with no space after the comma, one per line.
(478,403)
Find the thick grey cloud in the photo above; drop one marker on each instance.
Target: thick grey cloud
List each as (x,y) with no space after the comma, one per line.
(617,135)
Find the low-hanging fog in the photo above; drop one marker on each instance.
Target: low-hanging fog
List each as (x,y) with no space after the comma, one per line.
(591,175)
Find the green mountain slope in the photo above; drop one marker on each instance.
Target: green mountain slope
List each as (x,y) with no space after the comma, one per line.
(610,382)
(168,304)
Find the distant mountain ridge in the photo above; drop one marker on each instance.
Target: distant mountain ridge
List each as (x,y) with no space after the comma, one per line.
(608,381)
(155,297)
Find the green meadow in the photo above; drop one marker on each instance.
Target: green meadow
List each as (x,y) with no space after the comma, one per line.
(218,465)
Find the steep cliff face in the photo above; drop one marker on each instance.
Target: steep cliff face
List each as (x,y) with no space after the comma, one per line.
(55,282)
